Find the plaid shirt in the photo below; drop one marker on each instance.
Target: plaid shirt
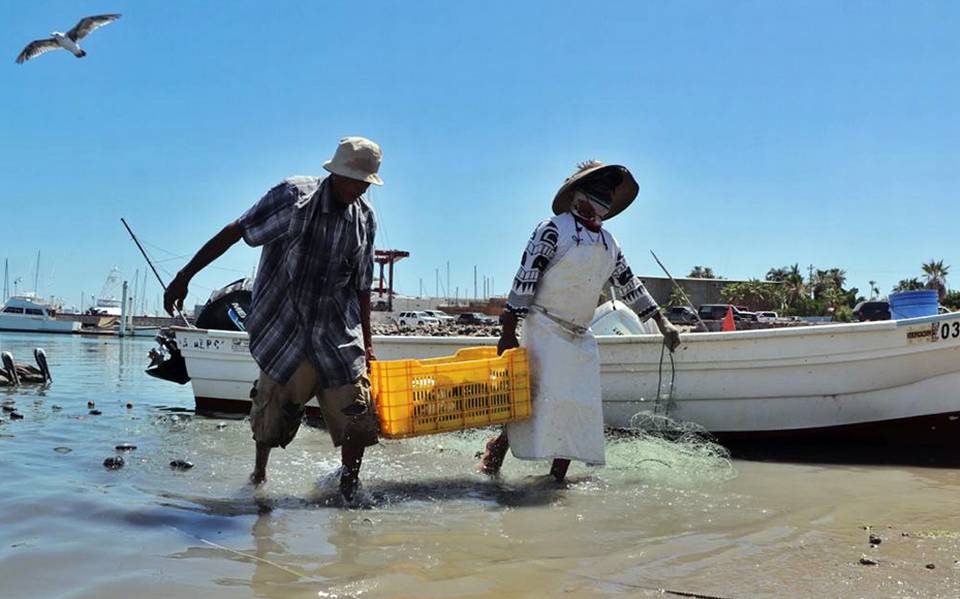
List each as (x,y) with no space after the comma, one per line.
(317,256)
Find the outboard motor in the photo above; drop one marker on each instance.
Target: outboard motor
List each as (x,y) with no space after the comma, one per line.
(166,361)
(228,307)
(226,310)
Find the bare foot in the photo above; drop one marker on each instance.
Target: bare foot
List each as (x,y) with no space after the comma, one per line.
(493,455)
(348,487)
(559,469)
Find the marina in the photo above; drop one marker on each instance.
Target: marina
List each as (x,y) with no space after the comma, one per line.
(452,301)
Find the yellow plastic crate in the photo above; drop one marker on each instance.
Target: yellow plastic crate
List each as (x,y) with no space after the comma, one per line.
(473,388)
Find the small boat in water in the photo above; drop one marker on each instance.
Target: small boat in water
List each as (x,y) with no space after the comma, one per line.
(895,381)
(29,313)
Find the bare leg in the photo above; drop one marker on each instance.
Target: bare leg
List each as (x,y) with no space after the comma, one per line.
(559,469)
(494,454)
(259,475)
(351,456)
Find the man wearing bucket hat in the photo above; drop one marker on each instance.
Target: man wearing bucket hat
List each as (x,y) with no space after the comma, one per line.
(567,262)
(309,322)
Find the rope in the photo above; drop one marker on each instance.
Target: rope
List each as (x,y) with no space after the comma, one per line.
(250,556)
(639,587)
(663,406)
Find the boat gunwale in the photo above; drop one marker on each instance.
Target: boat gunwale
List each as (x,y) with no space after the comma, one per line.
(709,337)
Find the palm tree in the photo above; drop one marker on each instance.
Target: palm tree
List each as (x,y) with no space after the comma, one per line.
(792,280)
(874,292)
(936,272)
(909,285)
(825,280)
(702,272)
(838,277)
(778,275)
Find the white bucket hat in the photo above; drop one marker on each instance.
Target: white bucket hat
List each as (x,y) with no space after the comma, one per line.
(356,158)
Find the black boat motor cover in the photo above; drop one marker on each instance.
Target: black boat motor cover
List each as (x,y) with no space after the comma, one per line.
(227,308)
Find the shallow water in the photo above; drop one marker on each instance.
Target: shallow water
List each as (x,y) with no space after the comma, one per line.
(659,516)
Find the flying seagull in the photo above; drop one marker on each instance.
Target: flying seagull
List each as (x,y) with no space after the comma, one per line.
(68,40)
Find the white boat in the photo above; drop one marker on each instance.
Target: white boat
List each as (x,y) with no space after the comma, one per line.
(31,314)
(108,304)
(896,381)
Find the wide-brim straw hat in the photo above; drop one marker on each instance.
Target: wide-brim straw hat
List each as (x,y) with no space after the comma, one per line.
(623,195)
(356,158)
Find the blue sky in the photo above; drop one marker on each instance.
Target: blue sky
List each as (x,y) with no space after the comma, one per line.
(762,133)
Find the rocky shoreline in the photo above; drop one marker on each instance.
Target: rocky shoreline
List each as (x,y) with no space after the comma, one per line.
(453,330)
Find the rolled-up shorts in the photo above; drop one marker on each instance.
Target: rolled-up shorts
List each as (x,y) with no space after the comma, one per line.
(278,409)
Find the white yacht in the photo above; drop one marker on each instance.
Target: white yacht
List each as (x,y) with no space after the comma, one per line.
(31,314)
(108,304)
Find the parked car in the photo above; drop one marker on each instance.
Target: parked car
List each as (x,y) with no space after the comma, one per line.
(767,316)
(719,311)
(872,310)
(409,319)
(474,318)
(681,315)
(441,316)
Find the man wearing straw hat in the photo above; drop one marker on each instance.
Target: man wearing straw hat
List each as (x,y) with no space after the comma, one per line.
(309,322)
(567,262)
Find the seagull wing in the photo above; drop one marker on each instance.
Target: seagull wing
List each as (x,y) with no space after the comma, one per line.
(88,24)
(36,48)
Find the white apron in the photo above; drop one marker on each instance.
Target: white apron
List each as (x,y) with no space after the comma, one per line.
(567,418)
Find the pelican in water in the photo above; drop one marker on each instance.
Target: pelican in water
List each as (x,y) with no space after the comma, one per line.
(67,41)
(14,374)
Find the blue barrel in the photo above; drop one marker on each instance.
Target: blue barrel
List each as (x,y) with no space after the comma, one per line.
(910,304)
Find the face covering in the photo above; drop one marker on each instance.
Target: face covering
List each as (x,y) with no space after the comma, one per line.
(589,209)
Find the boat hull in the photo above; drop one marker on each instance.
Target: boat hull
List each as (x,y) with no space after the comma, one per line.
(26,324)
(891,381)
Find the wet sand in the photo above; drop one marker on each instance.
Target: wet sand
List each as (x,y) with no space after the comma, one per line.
(658,516)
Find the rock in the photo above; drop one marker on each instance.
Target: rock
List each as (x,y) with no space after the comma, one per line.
(930,566)
(7,408)
(221,426)
(181,465)
(125,447)
(16,416)
(875,540)
(90,404)
(62,449)
(866,561)
(95,412)
(113,463)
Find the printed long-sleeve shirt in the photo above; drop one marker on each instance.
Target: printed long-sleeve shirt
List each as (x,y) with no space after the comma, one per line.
(549,242)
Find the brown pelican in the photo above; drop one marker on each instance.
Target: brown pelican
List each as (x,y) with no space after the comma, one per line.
(68,40)
(25,374)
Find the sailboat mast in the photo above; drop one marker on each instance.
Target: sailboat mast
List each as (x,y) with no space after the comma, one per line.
(36,277)
(6,279)
(143,294)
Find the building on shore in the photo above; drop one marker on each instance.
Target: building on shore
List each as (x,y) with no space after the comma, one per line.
(700,291)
